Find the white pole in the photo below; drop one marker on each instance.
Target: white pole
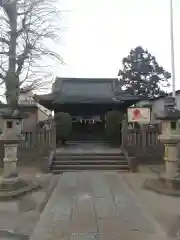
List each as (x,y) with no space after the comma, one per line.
(172,50)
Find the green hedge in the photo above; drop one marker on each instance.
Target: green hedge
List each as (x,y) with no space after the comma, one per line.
(113,128)
(63,126)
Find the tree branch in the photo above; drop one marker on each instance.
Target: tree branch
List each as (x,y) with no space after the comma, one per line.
(25,27)
(4,53)
(3,40)
(1,67)
(2,77)
(22,58)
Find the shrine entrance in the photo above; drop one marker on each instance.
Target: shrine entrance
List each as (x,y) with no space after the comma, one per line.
(87,129)
(87,101)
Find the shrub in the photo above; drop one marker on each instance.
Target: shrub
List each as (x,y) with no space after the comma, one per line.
(113,127)
(63,126)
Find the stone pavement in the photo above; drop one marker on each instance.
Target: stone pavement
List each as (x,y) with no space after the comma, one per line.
(95,205)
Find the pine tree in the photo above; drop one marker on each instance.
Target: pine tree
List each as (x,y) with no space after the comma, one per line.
(142,75)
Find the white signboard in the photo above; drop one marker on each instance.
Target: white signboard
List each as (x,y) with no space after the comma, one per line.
(140,115)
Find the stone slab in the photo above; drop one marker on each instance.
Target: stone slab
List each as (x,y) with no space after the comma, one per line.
(85,148)
(76,210)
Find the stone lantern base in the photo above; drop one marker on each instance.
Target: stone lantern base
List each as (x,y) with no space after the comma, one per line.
(12,187)
(167,183)
(169,186)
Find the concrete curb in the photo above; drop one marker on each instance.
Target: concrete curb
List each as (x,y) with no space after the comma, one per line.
(126,154)
(133,162)
(50,158)
(52,185)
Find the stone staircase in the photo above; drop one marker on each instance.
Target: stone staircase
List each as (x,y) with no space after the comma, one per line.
(64,161)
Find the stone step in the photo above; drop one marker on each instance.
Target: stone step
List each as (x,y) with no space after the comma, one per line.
(80,170)
(87,142)
(101,162)
(59,153)
(89,157)
(78,160)
(81,167)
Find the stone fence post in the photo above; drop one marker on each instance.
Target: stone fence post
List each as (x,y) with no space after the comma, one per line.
(53,135)
(124,133)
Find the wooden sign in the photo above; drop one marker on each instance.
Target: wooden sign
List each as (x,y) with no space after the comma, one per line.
(140,115)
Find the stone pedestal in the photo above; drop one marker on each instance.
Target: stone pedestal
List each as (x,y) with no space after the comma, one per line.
(10,160)
(171,175)
(11,184)
(168,183)
(11,138)
(170,152)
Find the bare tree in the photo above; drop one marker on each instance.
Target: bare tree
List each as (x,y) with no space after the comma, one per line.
(26,31)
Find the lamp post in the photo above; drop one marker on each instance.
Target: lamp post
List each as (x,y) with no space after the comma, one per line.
(172,50)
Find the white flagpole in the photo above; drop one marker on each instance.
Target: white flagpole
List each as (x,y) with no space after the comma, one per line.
(172,50)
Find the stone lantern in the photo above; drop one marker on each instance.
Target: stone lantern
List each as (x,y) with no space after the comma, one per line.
(11,138)
(170,137)
(169,181)
(10,183)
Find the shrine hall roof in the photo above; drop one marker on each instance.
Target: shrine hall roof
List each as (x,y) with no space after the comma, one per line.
(86,90)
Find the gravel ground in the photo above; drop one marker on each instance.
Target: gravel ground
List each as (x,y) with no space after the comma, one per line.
(166,209)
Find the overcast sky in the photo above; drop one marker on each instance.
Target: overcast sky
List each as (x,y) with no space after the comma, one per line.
(101,32)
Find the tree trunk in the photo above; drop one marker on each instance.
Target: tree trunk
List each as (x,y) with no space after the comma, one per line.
(12,89)
(11,79)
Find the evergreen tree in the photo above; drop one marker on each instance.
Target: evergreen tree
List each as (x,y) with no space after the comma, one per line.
(142,75)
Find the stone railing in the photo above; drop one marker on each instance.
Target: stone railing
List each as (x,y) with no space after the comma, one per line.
(143,144)
(37,146)
(142,138)
(36,139)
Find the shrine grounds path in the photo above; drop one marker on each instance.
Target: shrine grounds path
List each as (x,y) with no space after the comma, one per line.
(95,205)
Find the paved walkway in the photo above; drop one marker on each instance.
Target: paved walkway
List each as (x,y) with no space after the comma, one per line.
(95,205)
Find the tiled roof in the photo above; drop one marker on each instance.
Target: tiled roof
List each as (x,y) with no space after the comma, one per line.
(87,90)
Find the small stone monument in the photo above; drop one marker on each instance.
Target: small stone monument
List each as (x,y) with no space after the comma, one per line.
(11,184)
(169,182)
